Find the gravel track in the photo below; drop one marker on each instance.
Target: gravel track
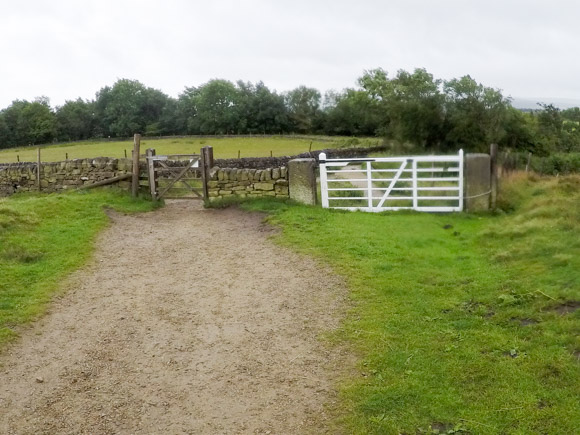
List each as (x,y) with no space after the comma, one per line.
(186,321)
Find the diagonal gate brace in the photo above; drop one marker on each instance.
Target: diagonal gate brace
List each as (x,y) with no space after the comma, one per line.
(176,179)
(393,182)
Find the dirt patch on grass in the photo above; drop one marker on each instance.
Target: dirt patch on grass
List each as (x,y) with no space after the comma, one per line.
(186,321)
(567,307)
(524,322)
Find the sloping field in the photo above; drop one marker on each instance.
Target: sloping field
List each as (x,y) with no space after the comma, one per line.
(223,147)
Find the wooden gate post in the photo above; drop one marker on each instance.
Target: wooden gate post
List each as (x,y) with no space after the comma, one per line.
(136,150)
(493,164)
(206,165)
(151,173)
(38,169)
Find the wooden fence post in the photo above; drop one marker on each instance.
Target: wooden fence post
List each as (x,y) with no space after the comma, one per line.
(38,168)
(136,151)
(151,173)
(206,165)
(529,161)
(493,167)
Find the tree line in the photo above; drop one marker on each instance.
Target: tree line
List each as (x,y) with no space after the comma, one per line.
(408,108)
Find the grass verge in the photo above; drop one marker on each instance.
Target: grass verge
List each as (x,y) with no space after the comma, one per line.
(462,323)
(42,239)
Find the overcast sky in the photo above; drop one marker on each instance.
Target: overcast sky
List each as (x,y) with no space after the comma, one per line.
(65,49)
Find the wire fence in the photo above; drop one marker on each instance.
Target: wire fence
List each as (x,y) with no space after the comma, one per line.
(554,164)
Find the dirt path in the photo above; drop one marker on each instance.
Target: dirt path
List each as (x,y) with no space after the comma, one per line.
(187,321)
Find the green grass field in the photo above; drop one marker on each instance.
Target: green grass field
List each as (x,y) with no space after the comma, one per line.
(223,147)
(42,239)
(462,323)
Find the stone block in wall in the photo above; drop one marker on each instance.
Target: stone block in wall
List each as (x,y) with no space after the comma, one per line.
(264,186)
(211,184)
(111,165)
(71,182)
(284,172)
(275,173)
(281,190)
(266,175)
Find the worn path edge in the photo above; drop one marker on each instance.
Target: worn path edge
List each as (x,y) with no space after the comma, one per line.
(186,321)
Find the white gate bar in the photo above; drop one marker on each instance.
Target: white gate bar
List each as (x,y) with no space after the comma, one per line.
(460,208)
(427,159)
(370,184)
(392,185)
(415,191)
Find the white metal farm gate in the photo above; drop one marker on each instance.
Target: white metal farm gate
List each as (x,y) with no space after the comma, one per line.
(422,183)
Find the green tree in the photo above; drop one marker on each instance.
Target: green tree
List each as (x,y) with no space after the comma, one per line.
(475,114)
(411,105)
(129,107)
(27,123)
(212,108)
(260,110)
(519,131)
(353,113)
(75,120)
(571,114)
(303,105)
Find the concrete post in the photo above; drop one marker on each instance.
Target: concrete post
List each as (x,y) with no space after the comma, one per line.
(477,182)
(302,180)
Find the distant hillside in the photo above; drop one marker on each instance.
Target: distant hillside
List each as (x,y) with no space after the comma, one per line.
(532,103)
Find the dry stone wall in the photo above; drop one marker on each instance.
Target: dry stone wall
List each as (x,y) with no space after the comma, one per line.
(57,176)
(242,183)
(272,162)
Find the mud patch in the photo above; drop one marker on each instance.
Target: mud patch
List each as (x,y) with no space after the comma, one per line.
(567,307)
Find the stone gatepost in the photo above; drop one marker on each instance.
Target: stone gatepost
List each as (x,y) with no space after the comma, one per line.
(477,182)
(302,180)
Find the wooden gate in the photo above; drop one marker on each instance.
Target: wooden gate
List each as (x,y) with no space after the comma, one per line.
(178,176)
